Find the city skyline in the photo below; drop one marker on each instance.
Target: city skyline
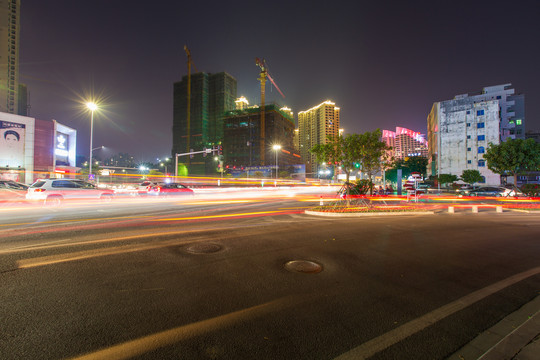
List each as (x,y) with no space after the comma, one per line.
(384,65)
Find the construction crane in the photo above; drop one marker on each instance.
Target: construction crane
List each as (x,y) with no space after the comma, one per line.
(189,64)
(262,78)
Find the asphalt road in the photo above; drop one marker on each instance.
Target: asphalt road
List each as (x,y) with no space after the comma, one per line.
(208,279)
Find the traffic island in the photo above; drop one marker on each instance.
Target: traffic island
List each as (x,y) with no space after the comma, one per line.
(370,210)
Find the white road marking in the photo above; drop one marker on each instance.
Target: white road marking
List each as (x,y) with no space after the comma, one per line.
(390,338)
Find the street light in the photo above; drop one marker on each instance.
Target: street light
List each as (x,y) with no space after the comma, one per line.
(92,107)
(276,148)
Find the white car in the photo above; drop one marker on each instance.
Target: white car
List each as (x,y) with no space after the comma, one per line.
(56,190)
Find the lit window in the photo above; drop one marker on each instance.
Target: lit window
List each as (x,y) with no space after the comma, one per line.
(518,122)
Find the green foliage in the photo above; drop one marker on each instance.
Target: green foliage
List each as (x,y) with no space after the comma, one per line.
(531,190)
(471,176)
(513,157)
(411,164)
(155,173)
(362,187)
(447,178)
(259,174)
(182,169)
(365,149)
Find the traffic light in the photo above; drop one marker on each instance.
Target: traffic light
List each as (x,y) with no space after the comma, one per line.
(356,165)
(220,150)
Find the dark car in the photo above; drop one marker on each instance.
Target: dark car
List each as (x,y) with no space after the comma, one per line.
(495,191)
(170,189)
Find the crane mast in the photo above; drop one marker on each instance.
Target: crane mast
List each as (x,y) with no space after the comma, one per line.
(262,78)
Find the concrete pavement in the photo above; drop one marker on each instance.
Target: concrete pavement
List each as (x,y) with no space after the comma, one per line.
(515,337)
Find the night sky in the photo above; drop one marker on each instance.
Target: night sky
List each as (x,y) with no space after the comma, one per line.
(384,63)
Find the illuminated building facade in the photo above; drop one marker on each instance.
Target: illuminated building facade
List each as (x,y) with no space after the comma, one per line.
(405,143)
(9,55)
(314,127)
(211,96)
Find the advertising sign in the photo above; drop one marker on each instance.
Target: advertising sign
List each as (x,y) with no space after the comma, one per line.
(61,149)
(12,137)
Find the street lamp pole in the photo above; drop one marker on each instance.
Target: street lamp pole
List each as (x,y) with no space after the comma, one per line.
(93,107)
(276,148)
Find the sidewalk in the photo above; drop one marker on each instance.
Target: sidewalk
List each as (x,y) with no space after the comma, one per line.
(517,336)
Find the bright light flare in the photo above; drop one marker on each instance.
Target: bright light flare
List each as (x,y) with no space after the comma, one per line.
(92,106)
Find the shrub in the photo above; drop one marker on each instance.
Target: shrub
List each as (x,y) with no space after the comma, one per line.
(531,190)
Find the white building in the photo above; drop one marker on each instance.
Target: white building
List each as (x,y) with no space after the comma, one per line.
(459,132)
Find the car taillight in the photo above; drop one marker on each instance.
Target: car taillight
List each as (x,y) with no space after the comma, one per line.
(39,190)
(158,188)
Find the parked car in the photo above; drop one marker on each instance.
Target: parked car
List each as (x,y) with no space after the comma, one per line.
(496,191)
(10,184)
(170,189)
(56,190)
(12,191)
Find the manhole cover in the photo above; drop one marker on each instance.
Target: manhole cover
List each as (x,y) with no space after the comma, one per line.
(204,248)
(303,266)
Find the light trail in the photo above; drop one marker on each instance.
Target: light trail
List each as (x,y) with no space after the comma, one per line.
(251,214)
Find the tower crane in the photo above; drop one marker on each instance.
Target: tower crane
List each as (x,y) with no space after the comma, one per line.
(261,63)
(189,64)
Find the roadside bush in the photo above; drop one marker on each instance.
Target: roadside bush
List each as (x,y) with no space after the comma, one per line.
(531,190)
(362,187)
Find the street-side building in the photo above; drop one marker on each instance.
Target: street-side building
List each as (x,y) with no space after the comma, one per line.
(405,143)
(211,96)
(241,142)
(314,127)
(459,132)
(31,148)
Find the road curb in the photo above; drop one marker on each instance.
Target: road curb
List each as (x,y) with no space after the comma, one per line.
(358,214)
(512,335)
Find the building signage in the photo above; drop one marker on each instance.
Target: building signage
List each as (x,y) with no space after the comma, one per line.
(61,148)
(12,139)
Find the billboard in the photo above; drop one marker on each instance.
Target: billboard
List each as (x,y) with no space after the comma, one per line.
(12,140)
(61,149)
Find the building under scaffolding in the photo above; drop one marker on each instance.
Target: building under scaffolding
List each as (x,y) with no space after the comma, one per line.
(241,141)
(211,96)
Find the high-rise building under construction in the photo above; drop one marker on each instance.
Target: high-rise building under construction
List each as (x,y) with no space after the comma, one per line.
(9,55)
(211,96)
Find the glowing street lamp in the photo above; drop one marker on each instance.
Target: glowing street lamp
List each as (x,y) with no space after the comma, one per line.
(92,107)
(276,149)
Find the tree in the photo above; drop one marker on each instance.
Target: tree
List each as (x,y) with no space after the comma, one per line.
(471,176)
(372,152)
(513,156)
(447,178)
(366,149)
(408,166)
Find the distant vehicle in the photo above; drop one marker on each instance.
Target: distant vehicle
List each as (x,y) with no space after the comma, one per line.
(164,189)
(494,191)
(54,191)
(144,187)
(12,191)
